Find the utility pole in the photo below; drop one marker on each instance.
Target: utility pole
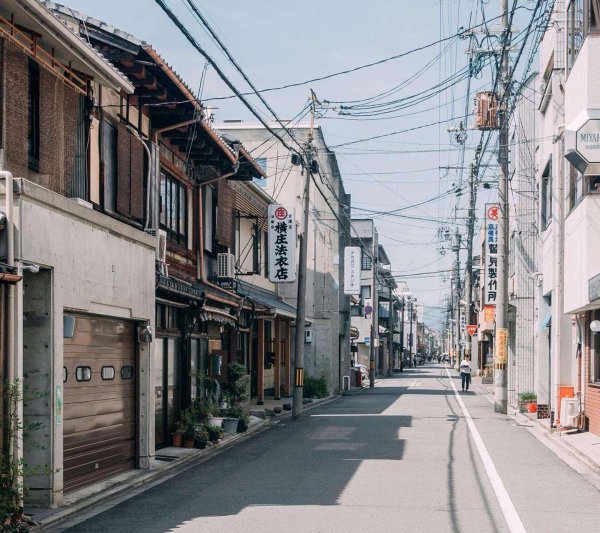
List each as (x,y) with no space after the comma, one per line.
(456,249)
(391,333)
(501,350)
(413,362)
(301,300)
(403,304)
(469,262)
(375,315)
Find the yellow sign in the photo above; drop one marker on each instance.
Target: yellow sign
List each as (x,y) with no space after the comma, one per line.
(501,346)
(489,313)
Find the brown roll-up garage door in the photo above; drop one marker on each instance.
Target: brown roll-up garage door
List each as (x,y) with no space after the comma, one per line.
(99,377)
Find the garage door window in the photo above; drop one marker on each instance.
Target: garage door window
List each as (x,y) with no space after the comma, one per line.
(127,372)
(83,373)
(108,372)
(65,374)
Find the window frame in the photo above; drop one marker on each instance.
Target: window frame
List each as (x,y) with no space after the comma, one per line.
(33,116)
(114,373)
(366,261)
(83,380)
(173,215)
(546,196)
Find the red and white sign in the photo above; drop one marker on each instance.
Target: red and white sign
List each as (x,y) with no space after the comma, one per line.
(471,329)
(493,212)
(282,244)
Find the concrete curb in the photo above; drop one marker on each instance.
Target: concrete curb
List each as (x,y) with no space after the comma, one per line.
(167,471)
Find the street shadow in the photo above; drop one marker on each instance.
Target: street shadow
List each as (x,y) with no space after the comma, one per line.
(453,493)
(309,462)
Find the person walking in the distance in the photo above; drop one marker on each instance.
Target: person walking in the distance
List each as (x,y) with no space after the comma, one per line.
(465,373)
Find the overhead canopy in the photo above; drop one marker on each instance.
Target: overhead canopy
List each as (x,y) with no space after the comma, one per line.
(267,299)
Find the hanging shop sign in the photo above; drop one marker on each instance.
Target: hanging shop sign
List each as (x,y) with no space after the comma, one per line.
(282,244)
(368,308)
(501,346)
(492,214)
(489,313)
(582,142)
(352,256)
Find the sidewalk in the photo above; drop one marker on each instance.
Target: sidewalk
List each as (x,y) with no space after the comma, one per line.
(584,446)
(168,463)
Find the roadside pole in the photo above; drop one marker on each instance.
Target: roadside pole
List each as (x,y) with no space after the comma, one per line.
(469,261)
(301,301)
(501,351)
(391,335)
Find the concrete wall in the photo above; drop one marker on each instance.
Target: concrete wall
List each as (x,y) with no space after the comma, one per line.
(98,265)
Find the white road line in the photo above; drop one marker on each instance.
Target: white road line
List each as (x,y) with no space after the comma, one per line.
(508,509)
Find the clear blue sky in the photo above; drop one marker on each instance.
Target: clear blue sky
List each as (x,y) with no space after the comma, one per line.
(279,42)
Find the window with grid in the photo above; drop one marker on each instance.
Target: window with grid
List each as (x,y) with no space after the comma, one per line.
(173,208)
(366,262)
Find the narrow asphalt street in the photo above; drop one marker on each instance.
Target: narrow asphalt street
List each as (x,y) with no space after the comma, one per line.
(400,457)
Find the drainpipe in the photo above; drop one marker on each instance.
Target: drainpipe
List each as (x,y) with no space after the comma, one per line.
(557,288)
(10,259)
(148,175)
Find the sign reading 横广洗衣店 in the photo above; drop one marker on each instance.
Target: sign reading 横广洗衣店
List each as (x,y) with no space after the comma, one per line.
(282,244)
(352,256)
(492,215)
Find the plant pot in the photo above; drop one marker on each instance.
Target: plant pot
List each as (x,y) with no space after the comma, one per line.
(242,426)
(188,443)
(177,439)
(230,425)
(215,421)
(532,407)
(201,444)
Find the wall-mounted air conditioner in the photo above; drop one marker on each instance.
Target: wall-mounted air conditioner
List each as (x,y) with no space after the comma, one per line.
(225,266)
(569,411)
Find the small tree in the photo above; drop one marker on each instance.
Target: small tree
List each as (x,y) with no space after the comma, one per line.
(11,466)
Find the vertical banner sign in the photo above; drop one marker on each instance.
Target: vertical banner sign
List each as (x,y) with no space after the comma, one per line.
(352,255)
(492,214)
(282,244)
(463,320)
(368,309)
(501,346)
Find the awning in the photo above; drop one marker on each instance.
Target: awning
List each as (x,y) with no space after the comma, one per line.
(213,314)
(546,321)
(266,299)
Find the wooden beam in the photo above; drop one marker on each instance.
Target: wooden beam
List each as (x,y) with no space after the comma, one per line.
(287,376)
(277,347)
(260,362)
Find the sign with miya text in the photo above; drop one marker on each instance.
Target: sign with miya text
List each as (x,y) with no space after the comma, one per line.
(587,141)
(490,289)
(282,244)
(352,256)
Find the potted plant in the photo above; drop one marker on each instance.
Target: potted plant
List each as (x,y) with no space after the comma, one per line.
(214,432)
(236,395)
(528,401)
(201,437)
(213,410)
(177,437)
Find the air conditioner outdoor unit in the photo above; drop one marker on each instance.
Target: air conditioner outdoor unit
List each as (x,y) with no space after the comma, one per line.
(569,411)
(225,266)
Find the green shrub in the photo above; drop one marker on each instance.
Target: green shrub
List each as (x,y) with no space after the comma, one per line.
(315,387)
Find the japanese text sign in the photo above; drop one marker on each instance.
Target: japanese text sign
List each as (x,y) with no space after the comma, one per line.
(490,291)
(352,256)
(282,244)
